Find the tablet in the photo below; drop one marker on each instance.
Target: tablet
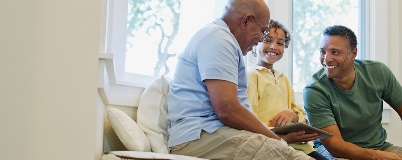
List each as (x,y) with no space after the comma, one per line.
(301,127)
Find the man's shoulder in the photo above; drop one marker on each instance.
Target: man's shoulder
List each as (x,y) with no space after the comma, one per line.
(368,63)
(318,78)
(370,66)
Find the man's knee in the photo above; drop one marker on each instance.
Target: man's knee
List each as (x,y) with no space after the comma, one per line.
(394,149)
(258,146)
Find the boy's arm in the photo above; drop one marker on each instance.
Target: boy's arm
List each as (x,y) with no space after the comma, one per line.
(301,114)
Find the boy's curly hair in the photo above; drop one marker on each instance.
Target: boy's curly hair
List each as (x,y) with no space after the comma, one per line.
(276,25)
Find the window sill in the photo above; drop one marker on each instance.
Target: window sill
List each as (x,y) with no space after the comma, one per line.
(115,92)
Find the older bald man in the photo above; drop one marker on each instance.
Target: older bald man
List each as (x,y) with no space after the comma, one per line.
(208,108)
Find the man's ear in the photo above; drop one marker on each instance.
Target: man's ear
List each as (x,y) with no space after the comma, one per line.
(354,52)
(245,20)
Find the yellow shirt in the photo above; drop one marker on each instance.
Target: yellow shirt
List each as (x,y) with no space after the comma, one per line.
(270,94)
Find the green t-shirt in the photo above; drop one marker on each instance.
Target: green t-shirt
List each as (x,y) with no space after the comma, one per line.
(358,111)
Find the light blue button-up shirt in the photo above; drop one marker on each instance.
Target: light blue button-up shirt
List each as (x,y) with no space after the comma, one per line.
(212,53)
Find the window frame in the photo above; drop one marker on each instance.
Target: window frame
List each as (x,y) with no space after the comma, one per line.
(116,44)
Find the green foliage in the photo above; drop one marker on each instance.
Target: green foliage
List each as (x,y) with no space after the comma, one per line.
(147,13)
(310,18)
(155,16)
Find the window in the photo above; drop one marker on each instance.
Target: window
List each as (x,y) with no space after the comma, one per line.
(155,32)
(146,35)
(310,18)
(118,87)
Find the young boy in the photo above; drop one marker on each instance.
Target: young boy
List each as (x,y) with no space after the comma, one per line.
(271,94)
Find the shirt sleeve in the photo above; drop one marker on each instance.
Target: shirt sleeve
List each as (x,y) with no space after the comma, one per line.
(293,106)
(393,89)
(300,112)
(252,91)
(318,108)
(217,57)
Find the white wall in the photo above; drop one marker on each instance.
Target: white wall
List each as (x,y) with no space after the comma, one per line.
(394,128)
(400,38)
(48,72)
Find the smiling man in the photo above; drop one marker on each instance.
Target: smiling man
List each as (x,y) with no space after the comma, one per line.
(345,98)
(208,107)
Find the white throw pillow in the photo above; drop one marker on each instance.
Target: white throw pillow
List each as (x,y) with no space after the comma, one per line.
(152,114)
(129,133)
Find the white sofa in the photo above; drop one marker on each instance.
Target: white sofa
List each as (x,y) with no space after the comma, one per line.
(131,133)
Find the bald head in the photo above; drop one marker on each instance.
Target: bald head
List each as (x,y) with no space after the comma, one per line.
(235,9)
(247,20)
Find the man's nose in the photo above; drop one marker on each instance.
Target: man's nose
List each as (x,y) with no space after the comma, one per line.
(327,57)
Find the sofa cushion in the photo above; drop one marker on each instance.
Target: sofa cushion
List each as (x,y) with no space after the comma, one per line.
(128,155)
(152,114)
(129,133)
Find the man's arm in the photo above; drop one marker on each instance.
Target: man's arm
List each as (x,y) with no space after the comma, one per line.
(399,111)
(229,110)
(340,148)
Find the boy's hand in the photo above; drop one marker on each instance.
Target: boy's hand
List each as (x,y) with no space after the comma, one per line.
(283,118)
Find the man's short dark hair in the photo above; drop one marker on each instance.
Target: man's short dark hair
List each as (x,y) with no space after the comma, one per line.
(338,30)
